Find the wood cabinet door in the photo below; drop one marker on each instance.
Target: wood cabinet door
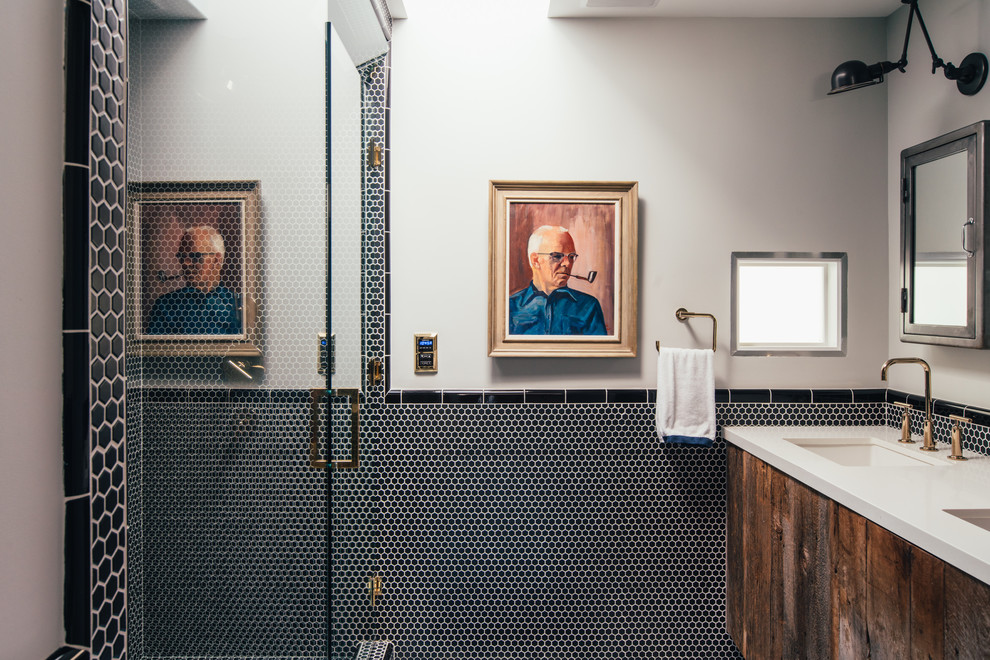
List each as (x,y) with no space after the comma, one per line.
(800,581)
(808,578)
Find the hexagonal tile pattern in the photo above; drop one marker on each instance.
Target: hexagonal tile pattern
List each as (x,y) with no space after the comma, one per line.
(108,486)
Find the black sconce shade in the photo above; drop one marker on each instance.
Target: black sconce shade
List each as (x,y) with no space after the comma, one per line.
(852,75)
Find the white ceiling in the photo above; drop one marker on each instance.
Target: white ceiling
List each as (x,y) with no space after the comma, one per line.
(725,8)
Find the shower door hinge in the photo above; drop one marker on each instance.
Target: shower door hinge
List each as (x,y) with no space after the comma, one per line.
(904,301)
(375,589)
(374,372)
(374,154)
(905,190)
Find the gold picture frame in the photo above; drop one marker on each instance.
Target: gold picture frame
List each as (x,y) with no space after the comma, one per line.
(161,214)
(544,304)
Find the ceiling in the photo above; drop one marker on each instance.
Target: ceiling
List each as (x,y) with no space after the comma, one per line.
(724,8)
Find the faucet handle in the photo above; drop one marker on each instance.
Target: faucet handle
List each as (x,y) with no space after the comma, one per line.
(905,422)
(957,454)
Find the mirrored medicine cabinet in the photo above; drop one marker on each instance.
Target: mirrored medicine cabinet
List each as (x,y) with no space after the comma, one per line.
(943,242)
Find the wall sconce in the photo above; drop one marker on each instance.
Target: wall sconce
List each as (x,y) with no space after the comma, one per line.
(969,76)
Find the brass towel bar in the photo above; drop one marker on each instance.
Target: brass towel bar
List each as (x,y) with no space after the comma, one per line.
(683,315)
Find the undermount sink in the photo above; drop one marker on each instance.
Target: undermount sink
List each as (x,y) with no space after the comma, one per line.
(978,517)
(866,452)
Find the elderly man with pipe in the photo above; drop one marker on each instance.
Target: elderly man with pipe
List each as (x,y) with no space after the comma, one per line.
(203,306)
(547,306)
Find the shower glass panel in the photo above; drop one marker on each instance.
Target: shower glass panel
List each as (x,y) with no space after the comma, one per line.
(228,308)
(355,64)
(352,542)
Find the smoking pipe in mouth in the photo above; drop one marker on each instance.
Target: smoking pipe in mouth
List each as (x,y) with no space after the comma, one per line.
(592,274)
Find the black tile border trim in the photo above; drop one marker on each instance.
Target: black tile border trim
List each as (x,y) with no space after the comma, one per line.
(75,248)
(790,396)
(870,396)
(505,396)
(77,609)
(77,84)
(546,396)
(627,396)
(751,395)
(832,396)
(75,603)
(738,395)
(75,413)
(586,396)
(463,396)
(981,417)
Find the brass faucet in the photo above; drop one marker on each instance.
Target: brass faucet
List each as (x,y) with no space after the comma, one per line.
(929,443)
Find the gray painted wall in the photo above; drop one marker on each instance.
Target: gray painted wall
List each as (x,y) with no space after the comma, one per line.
(922,106)
(726,125)
(31,500)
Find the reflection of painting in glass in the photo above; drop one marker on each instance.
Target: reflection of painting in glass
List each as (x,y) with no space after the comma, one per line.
(592,226)
(168,264)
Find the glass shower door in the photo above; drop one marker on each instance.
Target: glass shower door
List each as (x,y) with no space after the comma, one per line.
(353,537)
(228,543)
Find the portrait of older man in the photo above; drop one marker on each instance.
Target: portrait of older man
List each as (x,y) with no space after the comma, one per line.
(548,306)
(203,306)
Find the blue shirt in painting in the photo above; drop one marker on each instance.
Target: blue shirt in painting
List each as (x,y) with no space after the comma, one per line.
(189,311)
(563,312)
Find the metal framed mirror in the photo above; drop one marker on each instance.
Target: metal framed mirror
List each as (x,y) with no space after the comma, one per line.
(943,241)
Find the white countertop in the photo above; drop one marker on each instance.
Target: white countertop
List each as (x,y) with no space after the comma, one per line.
(908,501)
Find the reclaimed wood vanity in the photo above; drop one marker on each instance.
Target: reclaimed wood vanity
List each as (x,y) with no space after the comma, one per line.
(833,561)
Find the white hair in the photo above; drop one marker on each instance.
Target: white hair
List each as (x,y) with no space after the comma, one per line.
(536,238)
(216,240)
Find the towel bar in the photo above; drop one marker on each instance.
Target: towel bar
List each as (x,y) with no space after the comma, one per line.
(683,315)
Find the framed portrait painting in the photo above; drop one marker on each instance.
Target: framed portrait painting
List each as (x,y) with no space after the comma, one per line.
(562,269)
(194,267)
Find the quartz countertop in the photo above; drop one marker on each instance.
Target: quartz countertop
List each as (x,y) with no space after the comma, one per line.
(908,501)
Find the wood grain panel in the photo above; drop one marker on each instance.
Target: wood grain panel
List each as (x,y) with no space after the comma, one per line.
(850,634)
(888,594)
(808,578)
(735,595)
(781,604)
(927,605)
(757,547)
(801,585)
(967,616)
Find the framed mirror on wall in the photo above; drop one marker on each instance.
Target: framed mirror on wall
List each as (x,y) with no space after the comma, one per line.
(943,240)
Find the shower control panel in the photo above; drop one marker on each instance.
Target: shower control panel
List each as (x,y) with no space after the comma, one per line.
(425,350)
(325,358)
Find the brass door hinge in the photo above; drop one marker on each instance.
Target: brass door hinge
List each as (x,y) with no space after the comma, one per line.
(375,589)
(374,154)
(374,372)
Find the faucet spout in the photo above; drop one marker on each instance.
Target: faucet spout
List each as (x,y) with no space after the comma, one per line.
(929,444)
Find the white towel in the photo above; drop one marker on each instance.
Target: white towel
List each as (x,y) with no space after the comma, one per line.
(686,396)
